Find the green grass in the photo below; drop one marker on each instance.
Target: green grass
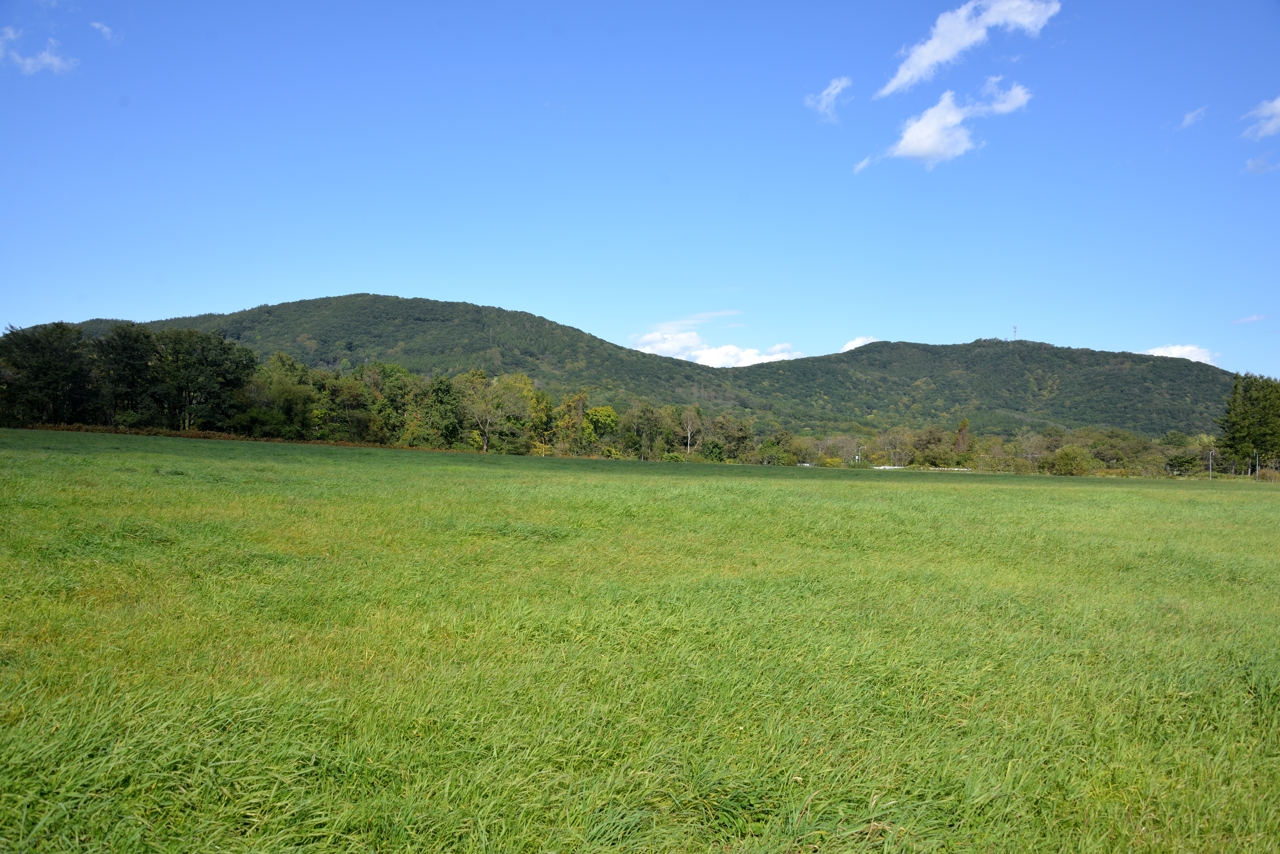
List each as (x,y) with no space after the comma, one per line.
(235,646)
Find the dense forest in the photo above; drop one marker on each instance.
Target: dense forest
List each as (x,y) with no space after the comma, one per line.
(1000,386)
(183,380)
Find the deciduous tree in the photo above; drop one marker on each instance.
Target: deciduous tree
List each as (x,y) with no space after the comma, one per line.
(47,376)
(690,424)
(198,374)
(491,404)
(126,370)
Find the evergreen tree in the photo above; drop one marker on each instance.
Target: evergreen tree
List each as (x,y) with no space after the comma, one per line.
(1251,425)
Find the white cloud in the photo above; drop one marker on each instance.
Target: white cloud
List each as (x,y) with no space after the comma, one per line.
(677,344)
(862,164)
(936,134)
(1253,318)
(957,31)
(730,356)
(692,347)
(825,103)
(1268,123)
(47,59)
(1194,116)
(939,134)
(677,339)
(858,342)
(1182,351)
(107,32)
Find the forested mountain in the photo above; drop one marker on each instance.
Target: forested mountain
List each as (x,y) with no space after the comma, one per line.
(429,337)
(998,385)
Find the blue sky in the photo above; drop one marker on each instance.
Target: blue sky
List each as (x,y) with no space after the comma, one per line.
(727,183)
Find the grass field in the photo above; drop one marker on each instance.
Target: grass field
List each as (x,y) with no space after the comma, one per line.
(233,646)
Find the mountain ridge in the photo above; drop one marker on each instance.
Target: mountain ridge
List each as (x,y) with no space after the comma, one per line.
(999,385)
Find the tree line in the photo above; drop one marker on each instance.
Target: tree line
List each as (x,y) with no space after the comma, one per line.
(185,380)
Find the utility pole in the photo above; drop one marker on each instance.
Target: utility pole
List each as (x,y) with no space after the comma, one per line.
(1211,465)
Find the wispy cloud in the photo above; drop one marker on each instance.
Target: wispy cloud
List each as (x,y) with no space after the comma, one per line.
(107,33)
(1013,98)
(694,320)
(825,103)
(860,341)
(1183,351)
(939,133)
(1260,165)
(677,338)
(956,31)
(47,60)
(1192,117)
(1268,120)
(1253,318)
(862,164)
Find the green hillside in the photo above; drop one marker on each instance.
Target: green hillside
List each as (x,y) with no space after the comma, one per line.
(428,336)
(998,385)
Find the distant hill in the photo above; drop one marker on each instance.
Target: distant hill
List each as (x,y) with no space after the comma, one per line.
(998,385)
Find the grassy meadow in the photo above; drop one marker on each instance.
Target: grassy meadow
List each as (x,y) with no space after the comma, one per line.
(247,646)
